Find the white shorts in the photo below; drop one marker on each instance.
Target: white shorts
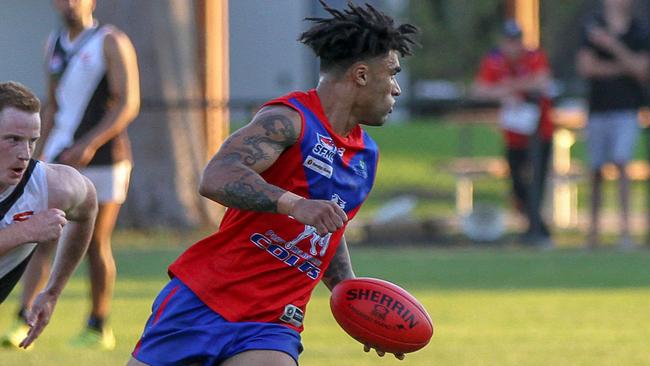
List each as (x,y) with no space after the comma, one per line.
(611,137)
(111,181)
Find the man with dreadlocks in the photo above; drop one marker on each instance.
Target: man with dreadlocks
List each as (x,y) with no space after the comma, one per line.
(291,179)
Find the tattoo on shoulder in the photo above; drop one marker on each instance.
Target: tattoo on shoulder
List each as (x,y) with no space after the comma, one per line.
(279,126)
(279,133)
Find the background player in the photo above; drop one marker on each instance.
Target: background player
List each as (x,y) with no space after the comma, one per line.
(291,178)
(36,201)
(93,96)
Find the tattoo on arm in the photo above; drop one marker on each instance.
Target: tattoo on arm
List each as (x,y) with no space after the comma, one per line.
(243,153)
(254,196)
(277,124)
(279,133)
(340,267)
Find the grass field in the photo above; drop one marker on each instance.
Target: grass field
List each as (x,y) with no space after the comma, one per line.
(490,307)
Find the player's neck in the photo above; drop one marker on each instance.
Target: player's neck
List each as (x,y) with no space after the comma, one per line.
(4,190)
(336,101)
(75,30)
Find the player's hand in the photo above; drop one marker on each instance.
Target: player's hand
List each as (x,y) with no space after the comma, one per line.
(44,226)
(325,216)
(77,156)
(39,316)
(380,353)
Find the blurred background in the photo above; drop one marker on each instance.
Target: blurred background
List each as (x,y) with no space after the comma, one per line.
(207,65)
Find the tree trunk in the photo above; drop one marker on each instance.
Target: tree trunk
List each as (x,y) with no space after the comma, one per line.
(168,137)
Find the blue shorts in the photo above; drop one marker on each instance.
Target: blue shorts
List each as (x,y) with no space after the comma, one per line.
(183,330)
(611,137)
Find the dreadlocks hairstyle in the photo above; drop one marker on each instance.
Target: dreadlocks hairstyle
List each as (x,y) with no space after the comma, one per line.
(354,34)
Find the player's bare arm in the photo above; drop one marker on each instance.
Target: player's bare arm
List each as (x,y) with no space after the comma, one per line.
(47,117)
(233,178)
(72,193)
(42,227)
(340,267)
(124,87)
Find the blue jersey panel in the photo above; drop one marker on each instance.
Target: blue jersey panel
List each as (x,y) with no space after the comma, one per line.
(334,171)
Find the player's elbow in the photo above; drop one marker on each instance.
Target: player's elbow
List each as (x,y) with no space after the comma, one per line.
(133,108)
(130,108)
(208,189)
(204,188)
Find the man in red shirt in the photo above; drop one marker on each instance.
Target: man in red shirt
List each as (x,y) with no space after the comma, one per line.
(519,78)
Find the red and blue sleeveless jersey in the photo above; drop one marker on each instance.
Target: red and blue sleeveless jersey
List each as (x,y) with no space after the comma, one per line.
(259,262)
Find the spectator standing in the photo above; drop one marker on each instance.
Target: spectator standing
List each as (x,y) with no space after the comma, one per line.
(614,59)
(519,79)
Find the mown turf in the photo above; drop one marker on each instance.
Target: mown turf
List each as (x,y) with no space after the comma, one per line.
(490,307)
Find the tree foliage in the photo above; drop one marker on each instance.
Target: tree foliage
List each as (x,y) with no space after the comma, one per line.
(457,33)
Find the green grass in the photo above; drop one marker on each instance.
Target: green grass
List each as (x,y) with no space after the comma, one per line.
(490,307)
(412,159)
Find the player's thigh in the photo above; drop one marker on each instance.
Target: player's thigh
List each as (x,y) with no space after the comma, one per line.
(260,358)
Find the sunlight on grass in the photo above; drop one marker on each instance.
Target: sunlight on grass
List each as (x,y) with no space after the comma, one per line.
(489,307)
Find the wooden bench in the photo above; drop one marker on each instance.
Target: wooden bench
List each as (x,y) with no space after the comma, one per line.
(564,189)
(466,170)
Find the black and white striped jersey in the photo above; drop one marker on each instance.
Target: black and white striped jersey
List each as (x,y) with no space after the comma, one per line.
(18,203)
(82,94)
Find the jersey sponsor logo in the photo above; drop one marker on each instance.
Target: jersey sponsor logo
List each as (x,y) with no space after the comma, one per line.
(326,149)
(318,166)
(293,315)
(361,169)
(23,216)
(86,59)
(339,201)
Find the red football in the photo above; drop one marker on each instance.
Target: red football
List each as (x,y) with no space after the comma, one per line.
(381,314)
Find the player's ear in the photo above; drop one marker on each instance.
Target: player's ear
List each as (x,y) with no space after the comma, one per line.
(360,73)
